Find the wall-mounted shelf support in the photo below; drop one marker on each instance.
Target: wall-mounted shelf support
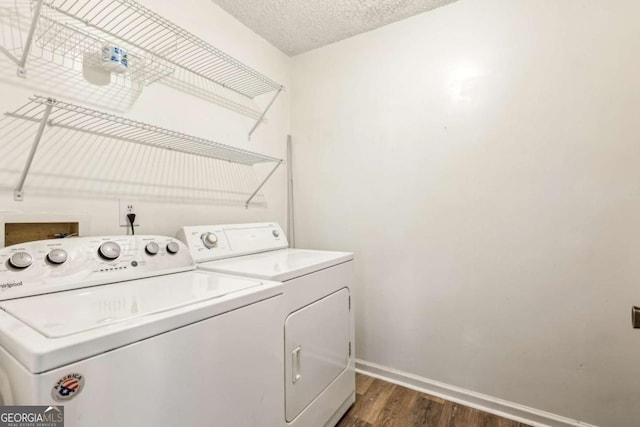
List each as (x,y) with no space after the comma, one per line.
(22,70)
(264,113)
(50,112)
(246,205)
(18,194)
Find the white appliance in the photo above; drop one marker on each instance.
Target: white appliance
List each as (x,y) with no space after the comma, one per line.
(319,361)
(122,331)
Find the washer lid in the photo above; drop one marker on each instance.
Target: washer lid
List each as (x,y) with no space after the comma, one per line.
(48,331)
(67,313)
(280,265)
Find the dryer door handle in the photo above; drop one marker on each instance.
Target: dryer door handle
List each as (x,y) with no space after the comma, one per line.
(295,365)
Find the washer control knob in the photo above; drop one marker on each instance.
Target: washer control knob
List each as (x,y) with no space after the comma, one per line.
(57,256)
(152,248)
(109,250)
(173,248)
(20,260)
(210,240)
(275,233)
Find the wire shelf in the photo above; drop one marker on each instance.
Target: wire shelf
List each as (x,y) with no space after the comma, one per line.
(145,31)
(61,38)
(71,34)
(70,164)
(99,126)
(96,123)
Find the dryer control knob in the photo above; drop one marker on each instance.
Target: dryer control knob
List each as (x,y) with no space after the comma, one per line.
(210,240)
(57,256)
(109,250)
(152,248)
(173,248)
(275,233)
(20,260)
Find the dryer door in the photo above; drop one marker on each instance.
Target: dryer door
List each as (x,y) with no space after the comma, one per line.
(317,347)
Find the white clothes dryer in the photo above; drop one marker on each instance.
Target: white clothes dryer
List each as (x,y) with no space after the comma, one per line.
(123,331)
(318,319)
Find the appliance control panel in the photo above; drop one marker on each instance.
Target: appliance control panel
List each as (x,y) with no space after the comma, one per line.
(212,242)
(56,265)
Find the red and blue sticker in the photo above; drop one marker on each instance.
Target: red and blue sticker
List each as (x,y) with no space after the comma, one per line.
(67,387)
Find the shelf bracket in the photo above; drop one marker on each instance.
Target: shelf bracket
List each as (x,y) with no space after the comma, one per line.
(18,194)
(246,205)
(264,113)
(22,70)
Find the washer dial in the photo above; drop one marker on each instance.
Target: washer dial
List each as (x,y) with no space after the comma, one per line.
(20,260)
(57,256)
(152,248)
(173,248)
(210,240)
(109,250)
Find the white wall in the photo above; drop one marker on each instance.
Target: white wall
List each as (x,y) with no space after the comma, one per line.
(482,162)
(159,105)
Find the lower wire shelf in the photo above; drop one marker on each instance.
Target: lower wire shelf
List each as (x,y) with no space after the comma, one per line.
(50,112)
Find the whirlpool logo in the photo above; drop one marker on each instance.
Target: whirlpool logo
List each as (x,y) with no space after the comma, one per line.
(32,416)
(9,285)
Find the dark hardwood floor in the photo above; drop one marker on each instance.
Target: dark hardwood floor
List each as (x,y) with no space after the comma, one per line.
(379,403)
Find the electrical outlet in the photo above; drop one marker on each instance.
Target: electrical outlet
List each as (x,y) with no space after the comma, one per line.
(127,207)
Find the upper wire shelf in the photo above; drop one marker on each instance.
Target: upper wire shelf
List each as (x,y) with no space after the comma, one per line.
(145,30)
(72,34)
(68,40)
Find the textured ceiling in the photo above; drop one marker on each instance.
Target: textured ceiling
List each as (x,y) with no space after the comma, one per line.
(296,26)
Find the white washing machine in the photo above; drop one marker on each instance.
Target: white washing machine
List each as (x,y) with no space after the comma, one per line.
(318,321)
(122,331)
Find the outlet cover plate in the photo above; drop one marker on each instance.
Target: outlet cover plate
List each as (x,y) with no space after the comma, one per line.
(124,210)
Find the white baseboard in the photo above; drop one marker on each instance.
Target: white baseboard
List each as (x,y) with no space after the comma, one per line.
(482,402)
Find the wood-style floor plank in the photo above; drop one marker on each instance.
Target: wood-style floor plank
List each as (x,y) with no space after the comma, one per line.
(434,398)
(379,403)
(427,412)
(351,421)
(490,420)
(374,400)
(363,383)
(447,413)
(463,416)
(395,412)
